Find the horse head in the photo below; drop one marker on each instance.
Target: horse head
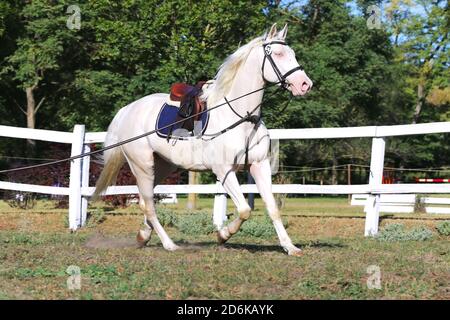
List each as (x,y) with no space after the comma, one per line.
(279,64)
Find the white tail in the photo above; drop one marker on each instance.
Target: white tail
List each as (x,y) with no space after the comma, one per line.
(114,160)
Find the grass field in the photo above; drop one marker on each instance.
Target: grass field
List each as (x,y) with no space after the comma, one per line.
(36,249)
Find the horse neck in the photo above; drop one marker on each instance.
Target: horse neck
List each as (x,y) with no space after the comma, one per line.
(247,79)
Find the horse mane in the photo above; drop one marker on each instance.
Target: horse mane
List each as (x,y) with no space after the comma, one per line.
(223,80)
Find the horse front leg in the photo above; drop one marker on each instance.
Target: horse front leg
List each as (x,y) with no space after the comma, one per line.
(227,176)
(261,172)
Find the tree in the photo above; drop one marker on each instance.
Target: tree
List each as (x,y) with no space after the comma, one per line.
(139,47)
(125,50)
(39,49)
(421,31)
(351,67)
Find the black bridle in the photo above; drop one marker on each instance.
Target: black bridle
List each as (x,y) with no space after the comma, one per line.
(267,47)
(250,117)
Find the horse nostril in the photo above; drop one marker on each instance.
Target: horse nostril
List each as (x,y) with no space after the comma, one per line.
(305,86)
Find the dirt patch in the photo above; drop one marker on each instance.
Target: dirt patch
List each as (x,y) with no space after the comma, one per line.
(313,227)
(100,241)
(26,221)
(10,290)
(121,224)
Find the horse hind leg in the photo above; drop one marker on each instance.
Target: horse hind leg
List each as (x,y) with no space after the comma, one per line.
(161,170)
(146,190)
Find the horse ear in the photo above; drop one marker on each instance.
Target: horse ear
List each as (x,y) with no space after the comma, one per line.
(272,32)
(282,34)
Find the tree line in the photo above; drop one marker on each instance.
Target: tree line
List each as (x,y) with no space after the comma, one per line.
(62,64)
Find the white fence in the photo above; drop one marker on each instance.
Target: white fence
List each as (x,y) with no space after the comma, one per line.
(79,190)
(406,203)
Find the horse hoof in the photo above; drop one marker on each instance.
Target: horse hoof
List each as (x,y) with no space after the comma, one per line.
(296,252)
(172,247)
(142,238)
(220,240)
(222,236)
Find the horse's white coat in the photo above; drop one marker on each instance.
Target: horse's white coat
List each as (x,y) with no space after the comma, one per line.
(152,158)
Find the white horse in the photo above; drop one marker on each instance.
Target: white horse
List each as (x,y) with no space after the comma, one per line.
(151,159)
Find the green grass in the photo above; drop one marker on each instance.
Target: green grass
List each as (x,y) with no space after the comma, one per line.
(307,206)
(34,258)
(247,268)
(443,228)
(301,206)
(316,205)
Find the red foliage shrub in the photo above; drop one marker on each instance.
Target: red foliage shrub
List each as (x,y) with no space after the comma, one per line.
(59,175)
(55,175)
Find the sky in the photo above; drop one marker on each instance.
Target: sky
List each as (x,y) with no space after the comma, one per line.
(355,10)
(353,6)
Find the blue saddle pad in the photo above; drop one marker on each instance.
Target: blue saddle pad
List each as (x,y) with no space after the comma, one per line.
(168,115)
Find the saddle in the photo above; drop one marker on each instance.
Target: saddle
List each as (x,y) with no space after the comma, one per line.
(190,103)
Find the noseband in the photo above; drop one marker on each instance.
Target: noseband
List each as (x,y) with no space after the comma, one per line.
(268,55)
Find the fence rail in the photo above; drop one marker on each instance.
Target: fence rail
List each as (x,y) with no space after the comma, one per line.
(406,203)
(79,189)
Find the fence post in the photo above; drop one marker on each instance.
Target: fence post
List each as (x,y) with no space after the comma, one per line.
(75,178)
(85,183)
(372,207)
(220,208)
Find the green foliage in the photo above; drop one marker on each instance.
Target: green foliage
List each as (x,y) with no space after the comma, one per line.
(397,232)
(20,238)
(356,82)
(100,274)
(166,217)
(257,227)
(37,272)
(420,31)
(40,46)
(443,228)
(195,223)
(260,227)
(200,223)
(134,48)
(128,49)
(420,234)
(4,9)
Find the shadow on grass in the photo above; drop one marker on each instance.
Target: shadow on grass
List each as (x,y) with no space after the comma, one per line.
(235,246)
(385,216)
(107,242)
(257,247)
